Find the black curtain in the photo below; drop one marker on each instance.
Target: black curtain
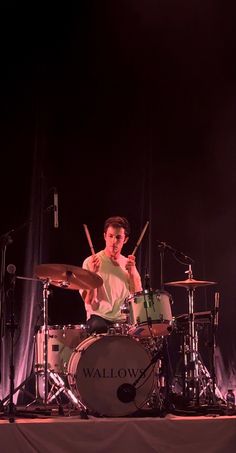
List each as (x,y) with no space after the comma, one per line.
(126,109)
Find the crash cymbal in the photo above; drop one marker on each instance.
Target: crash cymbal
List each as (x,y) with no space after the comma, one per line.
(68,277)
(190,283)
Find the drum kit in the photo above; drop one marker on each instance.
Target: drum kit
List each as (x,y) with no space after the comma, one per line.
(122,372)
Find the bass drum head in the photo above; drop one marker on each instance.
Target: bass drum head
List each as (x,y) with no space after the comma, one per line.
(103,371)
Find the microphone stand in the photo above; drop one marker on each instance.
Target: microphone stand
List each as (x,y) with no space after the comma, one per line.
(176,253)
(5,240)
(213,346)
(12,326)
(162,246)
(127,392)
(162,254)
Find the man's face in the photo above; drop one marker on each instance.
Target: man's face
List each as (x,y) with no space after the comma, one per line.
(115,239)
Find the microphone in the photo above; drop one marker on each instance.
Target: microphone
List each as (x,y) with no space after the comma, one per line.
(55,208)
(217,304)
(126,393)
(11,269)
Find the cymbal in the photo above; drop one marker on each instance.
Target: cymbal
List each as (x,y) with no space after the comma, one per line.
(68,277)
(190,283)
(198,317)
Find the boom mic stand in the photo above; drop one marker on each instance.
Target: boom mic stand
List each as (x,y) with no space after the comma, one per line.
(11,269)
(5,240)
(126,392)
(161,248)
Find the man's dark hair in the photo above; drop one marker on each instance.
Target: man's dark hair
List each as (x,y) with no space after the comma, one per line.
(118,222)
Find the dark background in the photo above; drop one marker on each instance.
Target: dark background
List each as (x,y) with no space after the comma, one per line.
(127,108)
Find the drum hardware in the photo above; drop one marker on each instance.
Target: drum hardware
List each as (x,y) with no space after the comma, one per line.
(11,325)
(119,328)
(209,394)
(208,389)
(156,401)
(159,400)
(69,277)
(22,386)
(126,392)
(179,256)
(196,378)
(58,387)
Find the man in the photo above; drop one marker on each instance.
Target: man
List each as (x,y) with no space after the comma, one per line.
(120,277)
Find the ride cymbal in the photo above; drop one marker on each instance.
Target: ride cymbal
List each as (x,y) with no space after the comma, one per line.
(190,283)
(68,277)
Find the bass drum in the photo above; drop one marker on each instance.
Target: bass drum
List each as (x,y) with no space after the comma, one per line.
(105,372)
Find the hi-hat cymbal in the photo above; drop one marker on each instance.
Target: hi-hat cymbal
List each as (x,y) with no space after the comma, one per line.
(190,283)
(68,277)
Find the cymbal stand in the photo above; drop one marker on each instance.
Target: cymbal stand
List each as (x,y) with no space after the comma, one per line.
(197,382)
(58,385)
(46,293)
(209,385)
(191,380)
(44,370)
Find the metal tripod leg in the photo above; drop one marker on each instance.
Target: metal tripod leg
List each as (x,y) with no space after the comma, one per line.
(60,387)
(207,389)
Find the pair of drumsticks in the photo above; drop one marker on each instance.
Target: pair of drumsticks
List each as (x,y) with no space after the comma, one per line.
(135,248)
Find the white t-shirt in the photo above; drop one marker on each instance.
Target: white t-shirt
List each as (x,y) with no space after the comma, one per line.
(115,288)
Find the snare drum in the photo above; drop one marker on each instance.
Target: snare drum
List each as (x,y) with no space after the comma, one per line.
(150,314)
(62,340)
(110,374)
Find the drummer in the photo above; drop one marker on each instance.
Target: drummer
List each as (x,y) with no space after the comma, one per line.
(120,278)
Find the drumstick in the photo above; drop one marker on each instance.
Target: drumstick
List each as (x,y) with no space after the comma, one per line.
(89,239)
(94,303)
(140,238)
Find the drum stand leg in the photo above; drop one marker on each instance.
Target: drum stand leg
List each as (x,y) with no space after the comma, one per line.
(208,389)
(58,387)
(198,387)
(156,400)
(160,398)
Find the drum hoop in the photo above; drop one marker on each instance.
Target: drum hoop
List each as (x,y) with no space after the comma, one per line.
(64,327)
(147,292)
(92,340)
(154,321)
(100,336)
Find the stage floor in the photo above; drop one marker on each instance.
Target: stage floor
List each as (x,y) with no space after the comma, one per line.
(51,432)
